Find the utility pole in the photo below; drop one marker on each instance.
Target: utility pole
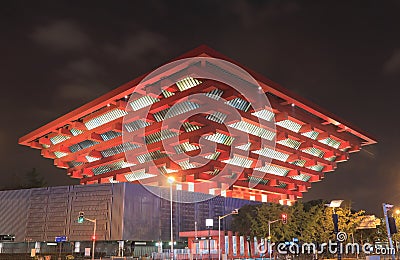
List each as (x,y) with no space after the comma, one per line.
(234,212)
(335,219)
(385,209)
(94,221)
(81,218)
(269,236)
(209,225)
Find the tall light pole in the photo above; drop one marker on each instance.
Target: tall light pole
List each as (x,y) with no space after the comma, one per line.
(395,242)
(171,180)
(269,236)
(234,212)
(81,218)
(209,225)
(387,207)
(94,221)
(336,204)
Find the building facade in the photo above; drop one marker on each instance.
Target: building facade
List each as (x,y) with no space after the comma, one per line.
(123,211)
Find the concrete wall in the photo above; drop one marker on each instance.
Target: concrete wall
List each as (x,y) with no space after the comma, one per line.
(44,213)
(14,206)
(123,211)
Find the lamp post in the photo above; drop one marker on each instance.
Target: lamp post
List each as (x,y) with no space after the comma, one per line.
(269,236)
(395,242)
(94,221)
(209,225)
(171,180)
(82,218)
(234,212)
(387,207)
(335,218)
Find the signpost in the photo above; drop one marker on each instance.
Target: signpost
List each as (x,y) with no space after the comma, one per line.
(59,240)
(368,222)
(87,251)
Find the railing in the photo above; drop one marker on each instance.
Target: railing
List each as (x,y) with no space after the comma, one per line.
(185,254)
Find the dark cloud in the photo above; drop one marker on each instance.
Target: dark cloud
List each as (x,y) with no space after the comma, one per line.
(81,80)
(84,67)
(392,66)
(251,14)
(86,91)
(140,45)
(2,139)
(44,113)
(61,36)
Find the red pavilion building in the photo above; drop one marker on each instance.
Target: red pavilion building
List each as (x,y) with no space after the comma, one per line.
(121,137)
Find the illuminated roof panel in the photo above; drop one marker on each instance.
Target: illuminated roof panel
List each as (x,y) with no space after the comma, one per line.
(104,118)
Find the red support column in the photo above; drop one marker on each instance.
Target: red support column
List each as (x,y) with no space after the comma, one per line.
(222,242)
(191,245)
(237,244)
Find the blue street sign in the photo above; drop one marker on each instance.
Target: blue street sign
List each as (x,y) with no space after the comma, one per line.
(61,239)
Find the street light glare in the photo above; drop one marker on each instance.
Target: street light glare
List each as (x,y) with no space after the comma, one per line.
(171,179)
(397,211)
(335,203)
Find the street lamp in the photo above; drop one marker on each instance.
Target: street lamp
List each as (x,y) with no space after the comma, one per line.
(234,212)
(386,207)
(171,180)
(209,225)
(81,218)
(269,236)
(335,218)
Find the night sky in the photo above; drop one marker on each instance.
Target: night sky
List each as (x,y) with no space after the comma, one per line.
(342,55)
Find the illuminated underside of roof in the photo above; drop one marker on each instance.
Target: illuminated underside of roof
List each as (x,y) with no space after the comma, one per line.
(310,141)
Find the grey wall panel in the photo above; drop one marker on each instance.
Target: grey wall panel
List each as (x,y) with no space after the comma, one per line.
(141,214)
(39,225)
(117,211)
(44,213)
(14,212)
(95,201)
